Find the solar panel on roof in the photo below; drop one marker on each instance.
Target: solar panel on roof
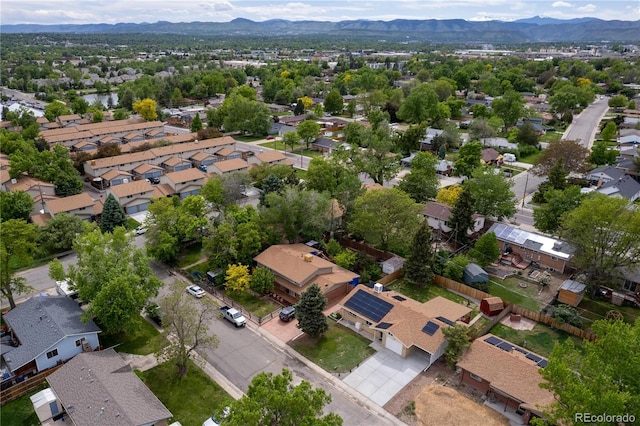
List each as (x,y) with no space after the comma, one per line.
(430,328)
(493,340)
(522,351)
(384,325)
(543,363)
(534,358)
(368,305)
(505,346)
(400,298)
(446,321)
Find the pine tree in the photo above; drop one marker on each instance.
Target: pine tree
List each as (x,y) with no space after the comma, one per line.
(112,215)
(196,124)
(419,264)
(309,309)
(462,216)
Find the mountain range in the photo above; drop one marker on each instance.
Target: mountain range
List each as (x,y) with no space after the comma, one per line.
(530,30)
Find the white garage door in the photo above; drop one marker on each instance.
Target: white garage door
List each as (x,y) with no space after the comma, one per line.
(393,344)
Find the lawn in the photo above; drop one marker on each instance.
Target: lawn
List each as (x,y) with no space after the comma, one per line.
(19,412)
(423,294)
(551,137)
(531,159)
(254,304)
(143,339)
(190,255)
(190,399)
(539,340)
(338,350)
(132,224)
(245,138)
(510,291)
(594,310)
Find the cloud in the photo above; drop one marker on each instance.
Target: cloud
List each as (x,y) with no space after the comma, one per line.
(561,4)
(588,8)
(218,6)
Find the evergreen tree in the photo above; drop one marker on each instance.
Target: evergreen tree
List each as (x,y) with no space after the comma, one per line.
(112,215)
(419,264)
(196,124)
(557,176)
(309,309)
(462,216)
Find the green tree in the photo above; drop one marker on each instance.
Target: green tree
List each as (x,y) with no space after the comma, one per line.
(17,244)
(113,276)
(618,102)
(291,140)
(599,378)
(15,205)
(602,155)
(422,182)
(609,131)
(461,220)
(55,109)
(509,107)
(420,105)
(112,215)
(454,268)
(377,159)
(563,103)
(346,259)
(492,193)
(146,108)
(527,134)
(557,176)
(469,158)
(308,130)
(387,218)
(196,124)
(262,280)
(548,216)
(59,232)
(458,341)
(605,234)
(274,400)
(237,278)
(333,102)
(309,313)
(419,264)
(341,182)
(480,129)
(187,325)
(573,154)
(486,249)
(410,139)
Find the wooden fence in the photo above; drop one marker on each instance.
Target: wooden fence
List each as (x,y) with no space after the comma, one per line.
(460,288)
(26,386)
(379,255)
(554,323)
(387,279)
(495,320)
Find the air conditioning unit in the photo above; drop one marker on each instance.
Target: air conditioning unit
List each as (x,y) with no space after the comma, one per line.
(125,180)
(377,287)
(308,257)
(358,326)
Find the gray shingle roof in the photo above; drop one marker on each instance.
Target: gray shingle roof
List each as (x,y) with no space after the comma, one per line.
(41,322)
(99,388)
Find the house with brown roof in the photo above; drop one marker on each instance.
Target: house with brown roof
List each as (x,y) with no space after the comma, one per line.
(401,324)
(228,153)
(490,157)
(69,120)
(134,196)
(147,171)
(228,166)
(203,159)
(80,205)
(438,215)
(133,137)
(84,146)
(297,266)
(101,389)
(507,375)
(175,164)
(116,177)
(268,157)
(185,182)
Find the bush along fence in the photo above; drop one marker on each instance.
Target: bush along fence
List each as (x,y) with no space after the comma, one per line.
(513,309)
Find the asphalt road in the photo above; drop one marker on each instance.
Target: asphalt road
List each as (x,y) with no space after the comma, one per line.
(585,125)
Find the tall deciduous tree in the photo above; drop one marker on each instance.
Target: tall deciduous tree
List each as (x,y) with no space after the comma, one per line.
(600,378)
(237,278)
(59,232)
(548,216)
(377,159)
(605,234)
(186,325)
(419,264)
(602,155)
(308,130)
(492,193)
(112,215)
(458,341)
(449,195)
(333,103)
(387,218)
(55,109)
(146,108)
(15,205)
(309,313)
(422,182)
(509,107)
(486,249)
(274,400)
(469,158)
(17,244)
(420,105)
(290,140)
(572,153)
(461,219)
(113,276)
(262,280)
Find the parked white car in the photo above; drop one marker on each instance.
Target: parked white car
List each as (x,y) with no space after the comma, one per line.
(195,291)
(140,230)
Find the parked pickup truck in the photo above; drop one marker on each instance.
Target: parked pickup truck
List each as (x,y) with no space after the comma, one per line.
(233,315)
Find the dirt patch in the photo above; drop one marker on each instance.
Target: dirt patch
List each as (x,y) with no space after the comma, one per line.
(444,406)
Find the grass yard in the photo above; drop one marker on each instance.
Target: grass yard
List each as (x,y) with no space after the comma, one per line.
(423,294)
(531,159)
(551,137)
(593,310)
(143,339)
(132,224)
(190,399)
(19,412)
(252,303)
(190,255)
(509,290)
(274,144)
(539,340)
(338,350)
(245,138)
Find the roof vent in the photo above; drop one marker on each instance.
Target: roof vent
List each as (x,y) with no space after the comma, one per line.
(308,257)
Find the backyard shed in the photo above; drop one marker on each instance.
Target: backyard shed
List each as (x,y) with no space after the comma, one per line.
(473,273)
(491,306)
(389,266)
(571,292)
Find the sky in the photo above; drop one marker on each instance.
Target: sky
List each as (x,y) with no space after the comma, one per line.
(114,11)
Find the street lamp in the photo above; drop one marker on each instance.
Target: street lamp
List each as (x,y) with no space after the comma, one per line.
(524,194)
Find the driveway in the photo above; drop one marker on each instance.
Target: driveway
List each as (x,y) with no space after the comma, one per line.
(385,373)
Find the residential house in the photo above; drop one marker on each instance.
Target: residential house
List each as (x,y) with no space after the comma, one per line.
(401,324)
(69,120)
(521,248)
(430,134)
(269,157)
(438,215)
(507,375)
(147,171)
(629,161)
(84,146)
(133,137)
(175,164)
(285,128)
(293,120)
(501,143)
(39,190)
(80,205)
(603,175)
(491,157)
(629,140)
(323,145)
(115,177)
(43,332)
(227,153)
(277,109)
(134,196)
(625,187)
(203,159)
(100,389)
(185,182)
(297,266)
(229,166)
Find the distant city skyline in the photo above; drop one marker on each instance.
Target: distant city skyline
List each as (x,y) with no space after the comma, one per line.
(136,11)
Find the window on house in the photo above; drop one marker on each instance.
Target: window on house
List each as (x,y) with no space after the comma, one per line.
(631,286)
(554,258)
(474,377)
(79,342)
(369,323)
(52,353)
